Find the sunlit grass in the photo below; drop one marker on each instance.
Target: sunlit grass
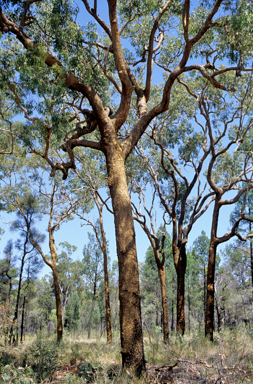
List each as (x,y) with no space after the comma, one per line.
(230,355)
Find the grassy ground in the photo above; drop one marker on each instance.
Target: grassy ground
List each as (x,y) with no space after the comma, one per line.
(188,359)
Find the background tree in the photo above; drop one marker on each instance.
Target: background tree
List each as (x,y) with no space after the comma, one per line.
(93,185)
(157,239)
(8,273)
(24,224)
(245,226)
(150,290)
(93,271)
(201,250)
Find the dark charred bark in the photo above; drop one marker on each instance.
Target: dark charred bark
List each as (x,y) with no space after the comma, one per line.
(22,320)
(209,324)
(180,265)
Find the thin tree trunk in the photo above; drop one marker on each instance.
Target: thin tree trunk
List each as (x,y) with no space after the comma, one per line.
(251,252)
(204,294)
(172,316)
(22,321)
(53,252)
(107,304)
(129,292)
(10,287)
(165,317)
(92,306)
(15,319)
(189,312)
(107,290)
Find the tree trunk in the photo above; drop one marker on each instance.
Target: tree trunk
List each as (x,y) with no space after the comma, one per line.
(180,269)
(204,294)
(189,312)
(209,323)
(251,252)
(129,293)
(165,317)
(218,312)
(107,304)
(53,252)
(15,319)
(22,321)
(92,306)
(172,316)
(58,304)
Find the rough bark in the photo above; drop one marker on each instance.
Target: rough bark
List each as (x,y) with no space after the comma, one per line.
(209,324)
(180,265)
(53,266)
(129,294)
(165,316)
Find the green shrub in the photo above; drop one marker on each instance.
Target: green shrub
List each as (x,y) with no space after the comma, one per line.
(42,356)
(12,375)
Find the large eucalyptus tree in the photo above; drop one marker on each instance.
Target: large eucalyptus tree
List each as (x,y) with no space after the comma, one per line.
(91,75)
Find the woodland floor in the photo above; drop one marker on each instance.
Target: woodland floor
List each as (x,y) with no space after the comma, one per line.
(188,359)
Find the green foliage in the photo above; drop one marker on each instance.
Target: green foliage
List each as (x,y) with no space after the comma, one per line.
(42,356)
(12,375)
(72,312)
(6,322)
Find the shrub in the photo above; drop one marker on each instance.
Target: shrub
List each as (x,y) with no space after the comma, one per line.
(42,356)
(12,375)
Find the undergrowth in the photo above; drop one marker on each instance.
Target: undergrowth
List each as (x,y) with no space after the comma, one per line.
(76,360)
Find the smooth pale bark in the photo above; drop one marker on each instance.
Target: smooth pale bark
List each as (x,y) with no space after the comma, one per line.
(129,293)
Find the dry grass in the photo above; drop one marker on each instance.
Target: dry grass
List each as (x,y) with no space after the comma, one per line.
(188,359)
